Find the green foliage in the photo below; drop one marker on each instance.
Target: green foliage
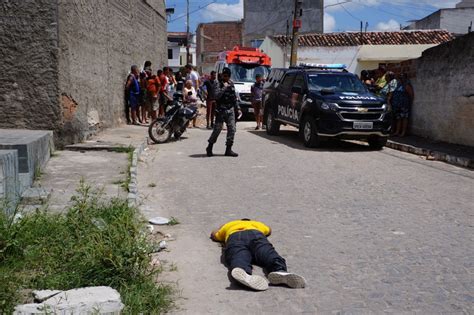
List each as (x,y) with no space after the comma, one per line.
(123,149)
(173,221)
(95,243)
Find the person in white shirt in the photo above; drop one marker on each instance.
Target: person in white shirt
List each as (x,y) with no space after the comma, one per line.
(190,97)
(193,76)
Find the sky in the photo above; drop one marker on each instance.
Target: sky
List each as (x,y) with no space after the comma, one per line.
(339,16)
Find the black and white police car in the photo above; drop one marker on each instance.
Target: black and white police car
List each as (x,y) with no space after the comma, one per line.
(325,101)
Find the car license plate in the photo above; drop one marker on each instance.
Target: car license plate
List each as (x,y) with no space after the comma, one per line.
(250,110)
(362,125)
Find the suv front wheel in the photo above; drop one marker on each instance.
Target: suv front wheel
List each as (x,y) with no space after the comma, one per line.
(309,132)
(377,142)
(273,126)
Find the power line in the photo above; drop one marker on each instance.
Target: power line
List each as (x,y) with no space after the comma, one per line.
(194,11)
(353,16)
(382,10)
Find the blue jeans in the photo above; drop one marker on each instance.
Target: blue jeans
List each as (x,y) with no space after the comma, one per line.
(252,247)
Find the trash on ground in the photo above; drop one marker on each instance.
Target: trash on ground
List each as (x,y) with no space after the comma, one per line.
(159,221)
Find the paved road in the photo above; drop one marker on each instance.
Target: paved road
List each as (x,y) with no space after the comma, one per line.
(372,232)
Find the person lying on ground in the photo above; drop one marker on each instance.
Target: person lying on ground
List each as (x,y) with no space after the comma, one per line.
(246,243)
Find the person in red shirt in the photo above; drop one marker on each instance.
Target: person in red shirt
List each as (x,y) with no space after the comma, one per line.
(164,97)
(153,88)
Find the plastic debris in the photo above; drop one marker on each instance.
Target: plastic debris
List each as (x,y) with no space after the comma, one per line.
(159,221)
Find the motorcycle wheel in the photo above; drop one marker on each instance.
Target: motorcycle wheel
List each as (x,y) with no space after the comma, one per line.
(159,132)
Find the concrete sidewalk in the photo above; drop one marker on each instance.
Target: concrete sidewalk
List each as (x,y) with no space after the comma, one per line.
(101,162)
(437,151)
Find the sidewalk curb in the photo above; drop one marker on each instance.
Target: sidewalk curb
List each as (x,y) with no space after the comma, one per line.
(133,185)
(432,155)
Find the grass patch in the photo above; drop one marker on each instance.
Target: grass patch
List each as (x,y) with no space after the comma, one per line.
(96,242)
(122,149)
(173,221)
(128,175)
(38,173)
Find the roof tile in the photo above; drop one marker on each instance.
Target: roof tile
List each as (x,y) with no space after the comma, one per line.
(369,38)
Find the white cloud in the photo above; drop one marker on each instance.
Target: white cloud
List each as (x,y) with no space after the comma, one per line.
(391,25)
(329,23)
(224,11)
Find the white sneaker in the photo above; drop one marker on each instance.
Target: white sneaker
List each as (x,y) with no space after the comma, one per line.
(258,283)
(290,279)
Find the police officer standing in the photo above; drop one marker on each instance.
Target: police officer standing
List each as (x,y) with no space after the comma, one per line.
(226,106)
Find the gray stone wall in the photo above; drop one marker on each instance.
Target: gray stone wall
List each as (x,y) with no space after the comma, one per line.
(28,66)
(98,42)
(444,92)
(268,17)
(64,62)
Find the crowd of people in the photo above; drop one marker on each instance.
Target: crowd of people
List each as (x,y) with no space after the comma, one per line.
(398,92)
(147,94)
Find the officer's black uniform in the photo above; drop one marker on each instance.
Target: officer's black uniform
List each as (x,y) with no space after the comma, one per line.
(226,106)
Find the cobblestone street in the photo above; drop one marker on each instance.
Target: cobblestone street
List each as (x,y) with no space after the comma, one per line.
(372,231)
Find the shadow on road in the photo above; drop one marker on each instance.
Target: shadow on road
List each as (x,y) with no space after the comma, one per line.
(291,139)
(199,156)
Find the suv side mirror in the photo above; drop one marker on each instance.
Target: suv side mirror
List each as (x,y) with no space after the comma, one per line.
(297,90)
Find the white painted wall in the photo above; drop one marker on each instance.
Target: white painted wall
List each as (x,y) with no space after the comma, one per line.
(275,52)
(175,61)
(179,56)
(346,55)
(357,58)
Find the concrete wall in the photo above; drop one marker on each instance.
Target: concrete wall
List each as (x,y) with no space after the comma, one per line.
(9,181)
(431,22)
(272,49)
(269,17)
(64,62)
(98,41)
(29,65)
(444,92)
(457,21)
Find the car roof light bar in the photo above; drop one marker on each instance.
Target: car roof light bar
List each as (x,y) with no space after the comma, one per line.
(328,66)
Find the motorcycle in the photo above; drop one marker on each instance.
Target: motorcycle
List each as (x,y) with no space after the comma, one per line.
(177,117)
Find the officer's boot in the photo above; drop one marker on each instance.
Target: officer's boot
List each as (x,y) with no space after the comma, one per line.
(229,152)
(209,150)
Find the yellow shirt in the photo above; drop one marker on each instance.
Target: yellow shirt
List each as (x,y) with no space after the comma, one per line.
(237,226)
(381,82)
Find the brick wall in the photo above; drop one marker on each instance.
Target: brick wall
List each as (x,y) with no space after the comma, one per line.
(213,38)
(407,66)
(64,62)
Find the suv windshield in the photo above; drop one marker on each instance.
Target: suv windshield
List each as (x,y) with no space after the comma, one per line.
(335,82)
(247,73)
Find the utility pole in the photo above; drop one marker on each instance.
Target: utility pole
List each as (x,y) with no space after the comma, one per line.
(188,55)
(285,55)
(296,26)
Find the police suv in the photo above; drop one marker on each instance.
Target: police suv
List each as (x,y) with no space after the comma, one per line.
(325,101)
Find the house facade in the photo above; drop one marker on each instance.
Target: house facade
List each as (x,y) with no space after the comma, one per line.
(358,51)
(177,50)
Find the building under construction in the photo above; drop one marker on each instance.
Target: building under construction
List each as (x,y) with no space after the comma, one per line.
(275,17)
